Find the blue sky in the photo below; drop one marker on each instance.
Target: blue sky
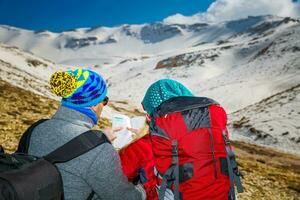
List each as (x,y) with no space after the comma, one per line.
(59,15)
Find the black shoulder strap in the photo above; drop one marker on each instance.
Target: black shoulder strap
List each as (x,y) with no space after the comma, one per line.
(77,146)
(1,149)
(25,139)
(90,197)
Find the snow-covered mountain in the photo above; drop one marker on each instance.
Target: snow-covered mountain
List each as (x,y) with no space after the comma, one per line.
(210,58)
(238,63)
(109,45)
(25,70)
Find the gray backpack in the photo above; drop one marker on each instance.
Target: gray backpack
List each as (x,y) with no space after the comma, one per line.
(26,177)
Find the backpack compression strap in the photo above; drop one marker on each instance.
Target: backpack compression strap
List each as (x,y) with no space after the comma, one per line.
(234,175)
(171,175)
(77,146)
(25,139)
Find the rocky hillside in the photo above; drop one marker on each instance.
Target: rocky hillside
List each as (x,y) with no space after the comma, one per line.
(267,174)
(274,121)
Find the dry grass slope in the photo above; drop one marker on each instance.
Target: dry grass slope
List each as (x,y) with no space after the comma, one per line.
(267,174)
(21,108)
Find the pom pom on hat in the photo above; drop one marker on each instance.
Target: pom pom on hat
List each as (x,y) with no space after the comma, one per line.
(63,84)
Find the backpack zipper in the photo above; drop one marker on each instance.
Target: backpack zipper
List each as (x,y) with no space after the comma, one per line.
(213,152)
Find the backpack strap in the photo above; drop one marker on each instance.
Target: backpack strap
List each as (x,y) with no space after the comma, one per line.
(171,176)
(234,175)
(25,139)
(1,149)
(77,146)
(167,180)
(176,169)
(72,149)
(90,197)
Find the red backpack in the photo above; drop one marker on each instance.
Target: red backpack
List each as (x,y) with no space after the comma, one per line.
(192,155)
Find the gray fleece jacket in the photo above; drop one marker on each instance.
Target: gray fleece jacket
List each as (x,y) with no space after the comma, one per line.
(98,170)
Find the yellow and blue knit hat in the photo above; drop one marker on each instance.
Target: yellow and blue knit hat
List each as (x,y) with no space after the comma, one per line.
(78,88)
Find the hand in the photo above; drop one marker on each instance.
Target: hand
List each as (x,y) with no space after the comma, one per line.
(134,130)
(136,133)
(111,133)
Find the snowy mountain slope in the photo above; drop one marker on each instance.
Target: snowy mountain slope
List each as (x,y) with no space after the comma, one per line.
(256,56)
(32,73)
(238,63)
(259,69)
(273,121)
(237,73)
(25,70)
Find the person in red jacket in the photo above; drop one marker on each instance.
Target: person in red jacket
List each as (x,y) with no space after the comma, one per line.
(187,153)
(138,164)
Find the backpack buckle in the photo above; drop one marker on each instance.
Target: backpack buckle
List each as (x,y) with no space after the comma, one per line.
(226,139)
(174,151)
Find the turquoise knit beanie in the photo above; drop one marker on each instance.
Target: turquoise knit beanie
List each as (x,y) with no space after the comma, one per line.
(161,91)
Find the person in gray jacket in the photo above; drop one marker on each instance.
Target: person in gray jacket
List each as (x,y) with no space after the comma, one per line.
(99,170)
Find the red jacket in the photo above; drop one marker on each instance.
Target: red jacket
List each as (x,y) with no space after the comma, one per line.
(137,162)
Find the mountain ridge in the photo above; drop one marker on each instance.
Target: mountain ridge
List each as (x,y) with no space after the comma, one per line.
(138,35)
(237,70)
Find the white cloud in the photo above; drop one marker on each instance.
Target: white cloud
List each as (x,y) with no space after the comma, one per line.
(222,10)
(181,19)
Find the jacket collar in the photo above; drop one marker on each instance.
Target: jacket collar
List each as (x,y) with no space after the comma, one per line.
(73,116)
(182,103)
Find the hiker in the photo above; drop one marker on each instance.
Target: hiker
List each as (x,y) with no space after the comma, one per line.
(138,164)
(192,154)
(83,95)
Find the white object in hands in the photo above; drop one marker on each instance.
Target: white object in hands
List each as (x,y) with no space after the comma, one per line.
(138,122)
(124,136)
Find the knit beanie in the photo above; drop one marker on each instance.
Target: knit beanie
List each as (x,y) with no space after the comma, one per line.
(78,88)
(161,91)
